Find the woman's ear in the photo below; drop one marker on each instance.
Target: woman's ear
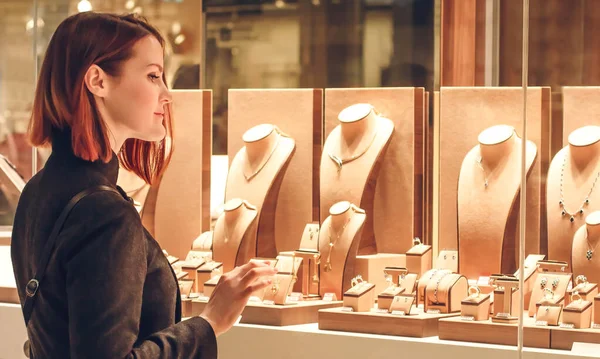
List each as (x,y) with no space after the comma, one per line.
(96,81)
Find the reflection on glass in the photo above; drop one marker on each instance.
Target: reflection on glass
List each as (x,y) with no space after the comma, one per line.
(313,43)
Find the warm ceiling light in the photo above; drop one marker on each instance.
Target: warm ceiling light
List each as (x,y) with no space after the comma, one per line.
(29,24)
(84,5)
(129,4)
(137,10)
(179,39)
(176,28)
(279,4)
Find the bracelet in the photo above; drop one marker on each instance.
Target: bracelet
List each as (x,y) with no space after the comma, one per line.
(435,291)
(550,292)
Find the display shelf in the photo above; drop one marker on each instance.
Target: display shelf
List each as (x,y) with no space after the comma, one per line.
(563,338)
(307,341)
(8,286)
(270,342)
(494,333)
(421,325)
(276,315)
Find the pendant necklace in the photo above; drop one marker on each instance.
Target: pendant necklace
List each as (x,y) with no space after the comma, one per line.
(586,201)
(590,252)
(227,235)
(252,175)
(339,161)
(486,178)
(332,244)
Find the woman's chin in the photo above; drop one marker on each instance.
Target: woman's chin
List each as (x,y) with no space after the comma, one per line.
(156,134)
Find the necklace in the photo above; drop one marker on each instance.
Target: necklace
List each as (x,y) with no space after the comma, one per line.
(590,252)
(485,176)
(228,235)
(586,201)
(339,161)
(252,175)
(332,244)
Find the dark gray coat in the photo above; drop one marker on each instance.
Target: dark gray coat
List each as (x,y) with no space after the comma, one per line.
(109,291)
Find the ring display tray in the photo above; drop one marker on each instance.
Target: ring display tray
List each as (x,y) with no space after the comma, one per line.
(563,338)
(418,325)
(295,313)
(487,332)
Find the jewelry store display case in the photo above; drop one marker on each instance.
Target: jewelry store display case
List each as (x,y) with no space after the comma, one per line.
(422,173)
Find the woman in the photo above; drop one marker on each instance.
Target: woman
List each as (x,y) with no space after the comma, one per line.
(108,290)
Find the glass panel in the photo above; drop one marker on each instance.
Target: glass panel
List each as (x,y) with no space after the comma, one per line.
(563,57)
(314,43)
(17,81)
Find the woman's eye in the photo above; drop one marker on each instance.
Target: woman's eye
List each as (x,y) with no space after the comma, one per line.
(153,77)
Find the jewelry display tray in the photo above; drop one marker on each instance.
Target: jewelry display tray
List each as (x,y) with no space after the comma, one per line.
(418,325)
(302,312)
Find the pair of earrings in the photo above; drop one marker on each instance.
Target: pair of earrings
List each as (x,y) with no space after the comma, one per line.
(313,233)
(544,282)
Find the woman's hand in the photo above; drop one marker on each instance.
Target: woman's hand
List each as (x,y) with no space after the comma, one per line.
(232,293)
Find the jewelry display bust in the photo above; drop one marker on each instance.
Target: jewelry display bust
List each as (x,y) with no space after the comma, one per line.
(230,231)
(571,192)
(585,258)
(351,158)
(338,244)
(255,175)
(488,188)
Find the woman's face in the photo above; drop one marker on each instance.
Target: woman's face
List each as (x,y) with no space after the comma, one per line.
(136,101)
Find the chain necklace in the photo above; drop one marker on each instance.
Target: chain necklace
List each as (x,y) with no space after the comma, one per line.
(485,177)
(252,175)
(227,235)
(586,201)
(339,161)
(332,244)
(590,252)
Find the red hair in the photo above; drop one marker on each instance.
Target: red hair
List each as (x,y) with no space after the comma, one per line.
(62,100)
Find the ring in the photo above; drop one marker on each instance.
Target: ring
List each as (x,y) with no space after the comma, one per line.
(581,279)
(576,294)
(417,241)
(550,292)
(474,291)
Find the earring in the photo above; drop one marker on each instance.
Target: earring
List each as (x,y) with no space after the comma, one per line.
(543,282)
(453,257)
(555,283)
(445,257)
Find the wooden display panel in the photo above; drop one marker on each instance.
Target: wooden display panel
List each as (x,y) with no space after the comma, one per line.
(464,113)
(298,113)
(417,326)
(397,214)
(178,209)
(580,108)
(494,333)
(563,338)
(302,312)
